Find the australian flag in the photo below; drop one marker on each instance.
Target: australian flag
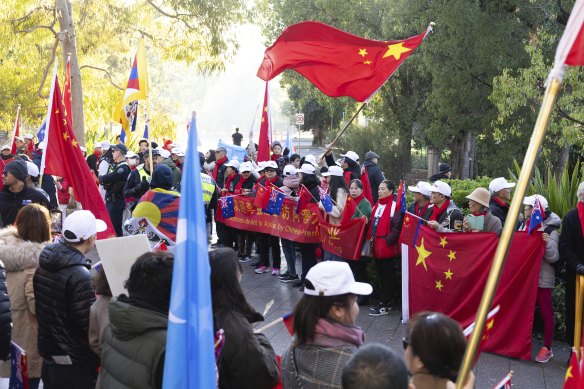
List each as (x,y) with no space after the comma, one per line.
(275,203)
(401,197)
(536,216)
(325,199)
(227,207)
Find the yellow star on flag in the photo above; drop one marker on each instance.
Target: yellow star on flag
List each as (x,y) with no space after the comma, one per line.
(448,274)
(396,50)
(443,241)
(452,255)
(568,374)
(363,52)
(439,285)
(367,62)
(65,136)
(263,119)
(422,254)
(490,324)
(266,108)
(74,143)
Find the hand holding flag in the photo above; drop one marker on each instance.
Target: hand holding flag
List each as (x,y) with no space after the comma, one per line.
(536,215)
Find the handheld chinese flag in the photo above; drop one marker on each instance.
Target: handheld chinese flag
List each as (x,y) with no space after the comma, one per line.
(15,132)
(262,196)
(336,62)
(264,141)
(62,157)
(137,89)
(573,379)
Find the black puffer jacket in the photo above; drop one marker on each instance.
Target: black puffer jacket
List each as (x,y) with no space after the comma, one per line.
(63,294)
(5,317)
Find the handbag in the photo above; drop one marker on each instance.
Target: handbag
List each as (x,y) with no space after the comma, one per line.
(368,248)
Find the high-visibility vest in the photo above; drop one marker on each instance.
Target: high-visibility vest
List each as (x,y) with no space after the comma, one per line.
(208,187)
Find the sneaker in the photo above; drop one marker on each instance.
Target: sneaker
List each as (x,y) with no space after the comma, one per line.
(290,278)
(379,310)
(544,355)
(275,271)
(298,284)
(262,269)
(284,275)
(244,259)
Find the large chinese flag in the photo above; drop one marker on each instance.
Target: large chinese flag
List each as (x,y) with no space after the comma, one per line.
(336,62)
(344,240)
(63,157)
(264,140)
(447,272)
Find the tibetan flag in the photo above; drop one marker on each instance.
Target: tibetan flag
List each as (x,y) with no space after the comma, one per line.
(262,197)
(325,199)
(275,203)
(536,216)
(160,207)
(573,378)
(264,140)
(18,368)
(15,132)
(133,120)
(227,207)
(137,89)
(190,360)
(62,157)
(336,62)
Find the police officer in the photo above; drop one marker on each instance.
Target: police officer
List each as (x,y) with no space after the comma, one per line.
(114,182)
(139,179)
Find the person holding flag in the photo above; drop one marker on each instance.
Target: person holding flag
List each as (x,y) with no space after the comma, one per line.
(536,206)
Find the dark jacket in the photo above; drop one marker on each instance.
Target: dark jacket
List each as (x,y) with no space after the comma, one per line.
(498,210)
(221,174)
(48,184)
(247,359)
(375,178)
(5,316)
(176,173)
(63,296)
(134,342)
(134,186)
(438,177)
(447,218)
(115,180)
(162,178)
(11,203)
(571,242)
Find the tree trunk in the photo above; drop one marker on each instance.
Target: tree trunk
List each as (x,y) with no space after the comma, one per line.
(560,165)
(65,17)
(404,150)
(461,156)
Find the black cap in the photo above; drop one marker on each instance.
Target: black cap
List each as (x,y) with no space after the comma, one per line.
(18,169)
(444,168)
(121,147)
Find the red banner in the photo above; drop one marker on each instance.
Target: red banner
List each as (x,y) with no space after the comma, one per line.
(301,227)
(447,272)
(344,241)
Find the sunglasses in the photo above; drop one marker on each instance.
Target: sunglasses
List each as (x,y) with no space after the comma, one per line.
(269,170)
(405,343)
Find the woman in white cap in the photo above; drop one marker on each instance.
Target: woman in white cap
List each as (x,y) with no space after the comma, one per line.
(547,274)
(324,326)
(338,191)
(480,218)
(244,186)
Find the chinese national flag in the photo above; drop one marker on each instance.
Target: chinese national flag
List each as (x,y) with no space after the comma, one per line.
(15,133)
(63,157)
(573,379)
(447,272)
(264,141)
(336,62)
(344,240)
(262,197)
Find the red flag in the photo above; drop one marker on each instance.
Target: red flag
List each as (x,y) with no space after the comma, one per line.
(62,157)
(447,272)
(336,62)
(15,132)
(264,141)
(67,89)
(573,379)
(304,198)
(262,197)
(367,187)
(288,320)
(344,240)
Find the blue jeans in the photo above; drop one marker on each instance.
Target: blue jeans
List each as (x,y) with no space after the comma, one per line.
(290,255)
(328,256)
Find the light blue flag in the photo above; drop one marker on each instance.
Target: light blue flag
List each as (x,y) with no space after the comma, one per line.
(190,358)
(233,151)
(289,143)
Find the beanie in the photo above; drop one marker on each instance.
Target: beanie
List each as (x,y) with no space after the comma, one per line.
(18,169)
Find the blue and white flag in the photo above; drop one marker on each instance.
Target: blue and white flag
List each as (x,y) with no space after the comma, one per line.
(233,152)
(190,356)
(40,133)
(536,216)
(275,203)
(325,199)
(227,207)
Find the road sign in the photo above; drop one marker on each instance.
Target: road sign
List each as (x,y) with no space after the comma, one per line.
(299,117)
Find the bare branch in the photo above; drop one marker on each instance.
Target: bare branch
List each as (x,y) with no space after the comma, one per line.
(566,116)
(176,15)
(46,72)
(105,71)
(50,27)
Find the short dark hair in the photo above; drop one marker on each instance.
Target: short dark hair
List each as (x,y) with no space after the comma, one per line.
(151,280)
(375,366)
(294,157)
(439,342)
(100,283)
(357,182)
(389,183)
(143,141)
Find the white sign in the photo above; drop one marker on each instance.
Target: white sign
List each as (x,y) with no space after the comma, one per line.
(299,119)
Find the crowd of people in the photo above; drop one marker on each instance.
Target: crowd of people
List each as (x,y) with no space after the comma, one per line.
(64,316)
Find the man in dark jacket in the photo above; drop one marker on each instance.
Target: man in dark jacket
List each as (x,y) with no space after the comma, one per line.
(63,295)
(136,338)
(571,247)
(5,316)
(500,197)
(48,184)
(139,179)
(444,173)
(374,173)
(114,182)
(15,194)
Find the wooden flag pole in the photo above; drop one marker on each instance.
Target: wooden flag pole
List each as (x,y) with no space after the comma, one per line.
(578,316)
(345,127)
(537,137)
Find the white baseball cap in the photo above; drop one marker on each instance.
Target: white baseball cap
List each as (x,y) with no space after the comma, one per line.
(33,170)
(41,146)
(105,145)
(81,225)
(245,167)
(20,138)
(289,170)
(28,136)
(422,187)
(333,171)
(5,147)
(96,145)
(351,155)
(500,183)
(131,154)
(332,278)
(530,200)
(442,188)
(311,159)
(164,153)
(271,165)
(80,147)
(261,166)
(307,168)
(234,163)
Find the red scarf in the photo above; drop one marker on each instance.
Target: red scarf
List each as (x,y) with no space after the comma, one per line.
(437,211)
(500,202)
(229,179)
(218,163)
(275,157)
(479,213)
(96,153)
(351,207)
(384,224)
(421,211)
(580,207)
(239,185)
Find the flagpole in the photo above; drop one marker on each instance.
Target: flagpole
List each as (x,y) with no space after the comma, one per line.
(537,137)
(50,109)
(15,124)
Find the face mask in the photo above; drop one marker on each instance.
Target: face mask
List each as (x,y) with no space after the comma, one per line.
(132,162)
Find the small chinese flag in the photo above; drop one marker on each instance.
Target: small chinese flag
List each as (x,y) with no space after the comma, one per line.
(574,377)
(262,196)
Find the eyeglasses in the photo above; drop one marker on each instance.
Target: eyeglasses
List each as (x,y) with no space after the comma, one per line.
(405,343)
(269,170)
